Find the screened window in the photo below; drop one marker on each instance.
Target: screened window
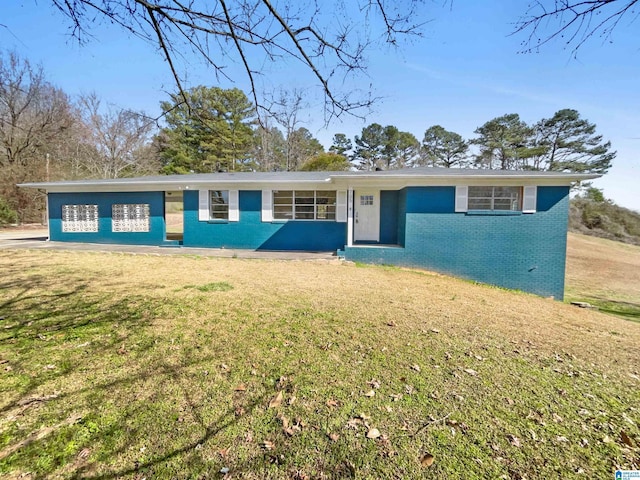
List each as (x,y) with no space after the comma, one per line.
(80,218)
(219,204)
(495,198)
(130,217)
(304,205)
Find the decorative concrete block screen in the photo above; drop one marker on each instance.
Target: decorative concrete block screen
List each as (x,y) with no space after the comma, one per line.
(79,218)
(132,217)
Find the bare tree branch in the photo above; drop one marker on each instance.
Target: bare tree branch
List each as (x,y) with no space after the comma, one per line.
(573,21)
(262,32)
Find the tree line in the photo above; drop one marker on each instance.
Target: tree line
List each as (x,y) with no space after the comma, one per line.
(566,142)
(45,135)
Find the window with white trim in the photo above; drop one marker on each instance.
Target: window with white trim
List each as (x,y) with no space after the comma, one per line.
(494,198)
(304,205)
(130,217)
(219,204)
(79,218)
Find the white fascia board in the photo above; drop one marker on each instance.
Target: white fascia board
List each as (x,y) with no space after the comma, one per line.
(127,186)
(400,183)
(340,182)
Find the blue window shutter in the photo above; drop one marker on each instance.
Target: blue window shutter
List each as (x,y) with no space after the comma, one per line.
(234,206)
(267,206)
(529,199)
(341,206)
(462,193)
(203,205)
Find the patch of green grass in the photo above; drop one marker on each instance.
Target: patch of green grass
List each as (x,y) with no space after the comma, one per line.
(212,287)
(619,308)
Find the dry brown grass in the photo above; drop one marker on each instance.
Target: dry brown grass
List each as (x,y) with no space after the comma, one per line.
(603,266)
(151,352)
(371,296)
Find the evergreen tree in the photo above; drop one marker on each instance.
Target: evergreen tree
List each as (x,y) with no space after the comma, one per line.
(341,144)
(369,146)
(504,143)
(568,143)
(211,132)
(442,148)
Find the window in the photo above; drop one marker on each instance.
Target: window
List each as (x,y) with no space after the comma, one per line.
(130,217)
(80,218)
(304,205)
(366,199)
(219,204)
(495,198)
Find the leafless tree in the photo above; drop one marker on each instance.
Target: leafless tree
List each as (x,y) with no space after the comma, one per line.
(286,109)
(35,118)
(330,39)
(32,112)
(573,21)
(117,141)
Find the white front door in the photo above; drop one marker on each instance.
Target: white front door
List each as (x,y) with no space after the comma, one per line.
(366,215)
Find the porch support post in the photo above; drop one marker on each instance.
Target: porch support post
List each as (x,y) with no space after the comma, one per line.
(350,217)
(46,205)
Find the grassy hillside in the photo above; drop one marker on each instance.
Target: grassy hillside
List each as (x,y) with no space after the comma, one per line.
(604,273)
(120,366)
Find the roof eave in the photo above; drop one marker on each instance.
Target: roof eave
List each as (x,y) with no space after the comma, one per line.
(343,180)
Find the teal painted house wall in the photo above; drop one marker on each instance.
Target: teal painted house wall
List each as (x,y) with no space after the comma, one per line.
(515,250)
(105,200)
(252,233)
(519,251)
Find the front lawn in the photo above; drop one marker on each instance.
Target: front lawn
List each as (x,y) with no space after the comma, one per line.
(131,366)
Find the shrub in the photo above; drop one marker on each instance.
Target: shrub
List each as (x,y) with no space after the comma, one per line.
(603,218)
(7,214)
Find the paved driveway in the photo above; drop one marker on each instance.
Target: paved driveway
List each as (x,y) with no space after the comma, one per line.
(11,239)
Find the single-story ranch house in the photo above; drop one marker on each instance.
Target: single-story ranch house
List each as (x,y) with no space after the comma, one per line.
(507,228)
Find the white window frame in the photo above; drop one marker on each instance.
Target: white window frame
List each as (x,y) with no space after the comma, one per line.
(315,206)
(80,218)
(205,206)
(527,199)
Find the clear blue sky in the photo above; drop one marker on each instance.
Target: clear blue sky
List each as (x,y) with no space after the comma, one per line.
(465,71)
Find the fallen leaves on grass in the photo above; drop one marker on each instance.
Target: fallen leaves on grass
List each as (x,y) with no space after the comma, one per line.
(373,383)
(626,439)
(426,460)
(276,401)
(513,440)
(373,433)
(267,445)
